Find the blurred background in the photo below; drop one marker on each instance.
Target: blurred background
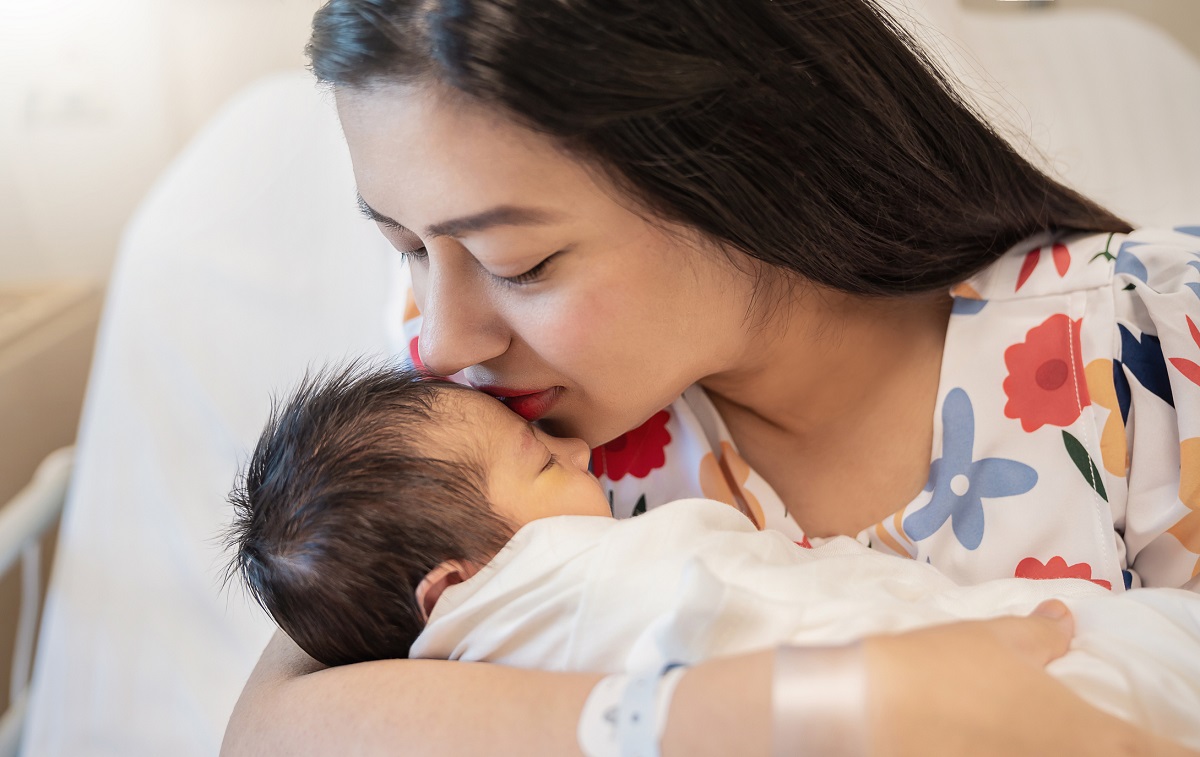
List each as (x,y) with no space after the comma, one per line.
(100,96)
(97,98)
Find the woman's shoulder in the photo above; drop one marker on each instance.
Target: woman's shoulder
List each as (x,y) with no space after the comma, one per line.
(1164,261)
(1081,359)
(1051,265)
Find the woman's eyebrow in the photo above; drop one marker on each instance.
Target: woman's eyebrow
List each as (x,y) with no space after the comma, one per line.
(501,215)
(378,217)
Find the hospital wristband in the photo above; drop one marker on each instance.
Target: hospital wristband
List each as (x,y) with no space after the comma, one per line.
(819,701)
(625,715)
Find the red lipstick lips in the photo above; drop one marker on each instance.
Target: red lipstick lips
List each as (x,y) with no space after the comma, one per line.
(528,405)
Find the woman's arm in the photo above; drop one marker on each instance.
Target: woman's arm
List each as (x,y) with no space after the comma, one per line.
(968,688)
(293,705)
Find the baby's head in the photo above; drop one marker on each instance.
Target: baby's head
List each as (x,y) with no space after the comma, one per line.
(373,489)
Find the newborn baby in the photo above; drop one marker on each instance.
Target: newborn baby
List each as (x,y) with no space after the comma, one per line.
(387,515)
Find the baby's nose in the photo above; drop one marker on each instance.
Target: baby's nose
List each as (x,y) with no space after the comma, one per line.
(578,452)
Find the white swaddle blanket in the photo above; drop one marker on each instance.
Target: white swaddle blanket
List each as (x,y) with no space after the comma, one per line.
(694,579)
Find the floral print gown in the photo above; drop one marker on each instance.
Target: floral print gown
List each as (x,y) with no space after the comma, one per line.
(1066,437)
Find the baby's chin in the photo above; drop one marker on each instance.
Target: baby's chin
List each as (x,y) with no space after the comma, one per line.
(603,509)
(597,508)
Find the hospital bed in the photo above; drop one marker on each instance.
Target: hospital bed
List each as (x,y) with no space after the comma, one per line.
(245,264)
(248,262)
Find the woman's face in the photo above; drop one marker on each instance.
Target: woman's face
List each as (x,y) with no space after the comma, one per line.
(531,273)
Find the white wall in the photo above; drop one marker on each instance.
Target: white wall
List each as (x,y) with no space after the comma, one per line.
(1105,94)
(98,96)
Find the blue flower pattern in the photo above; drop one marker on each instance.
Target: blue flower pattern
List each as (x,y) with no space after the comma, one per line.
(1129,263)
(960,483)
(1144,359)
(965,306)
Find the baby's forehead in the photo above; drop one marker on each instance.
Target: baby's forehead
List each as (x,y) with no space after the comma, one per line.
(466,404)
(469,417)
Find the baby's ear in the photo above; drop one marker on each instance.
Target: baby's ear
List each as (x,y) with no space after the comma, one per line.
(435,582)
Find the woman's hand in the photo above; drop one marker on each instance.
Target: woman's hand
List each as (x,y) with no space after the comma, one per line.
(980,688)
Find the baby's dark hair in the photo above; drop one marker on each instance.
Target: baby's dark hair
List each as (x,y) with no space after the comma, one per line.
(339,514)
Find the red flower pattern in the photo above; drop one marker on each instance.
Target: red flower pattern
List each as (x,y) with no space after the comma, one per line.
(1189,368)
(1056,567)
(634,453)
(1062,259)
(1027,266)
(1062,263)
(416,356)
(1045,383)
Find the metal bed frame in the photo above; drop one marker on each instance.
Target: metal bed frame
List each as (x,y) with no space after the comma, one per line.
(23,521)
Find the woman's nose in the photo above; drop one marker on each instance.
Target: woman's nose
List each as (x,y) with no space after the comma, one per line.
(459,327)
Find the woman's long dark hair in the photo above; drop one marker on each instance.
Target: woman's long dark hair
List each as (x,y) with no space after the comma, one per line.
(813,135)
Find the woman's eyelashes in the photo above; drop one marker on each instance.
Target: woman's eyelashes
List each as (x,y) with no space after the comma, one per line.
(550,463)
(529,276)
(533,274)
(408,256)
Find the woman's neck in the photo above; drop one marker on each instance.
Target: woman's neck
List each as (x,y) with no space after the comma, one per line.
(839,390)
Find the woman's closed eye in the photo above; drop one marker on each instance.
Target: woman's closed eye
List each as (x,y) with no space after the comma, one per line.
(528,277)
(550,463)
(408,256)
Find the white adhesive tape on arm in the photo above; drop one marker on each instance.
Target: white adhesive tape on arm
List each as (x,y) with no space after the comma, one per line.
(819,702)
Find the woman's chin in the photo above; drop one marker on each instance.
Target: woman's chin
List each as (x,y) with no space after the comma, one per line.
(595,432)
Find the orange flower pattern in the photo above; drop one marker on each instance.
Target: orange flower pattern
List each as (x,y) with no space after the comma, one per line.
(724,477)
(1103,391)
(1187,530)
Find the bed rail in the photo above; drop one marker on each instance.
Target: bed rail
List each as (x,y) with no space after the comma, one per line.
(22,522)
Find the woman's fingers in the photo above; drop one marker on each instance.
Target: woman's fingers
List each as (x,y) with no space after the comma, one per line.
(1051,608)
(981,687)
(1042,636)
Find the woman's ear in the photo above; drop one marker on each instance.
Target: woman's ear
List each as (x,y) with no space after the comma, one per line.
(435,582)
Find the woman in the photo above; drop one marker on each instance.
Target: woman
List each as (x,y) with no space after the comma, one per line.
(750,214)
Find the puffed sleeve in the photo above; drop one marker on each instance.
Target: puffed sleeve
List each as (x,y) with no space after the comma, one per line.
(1156,290)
